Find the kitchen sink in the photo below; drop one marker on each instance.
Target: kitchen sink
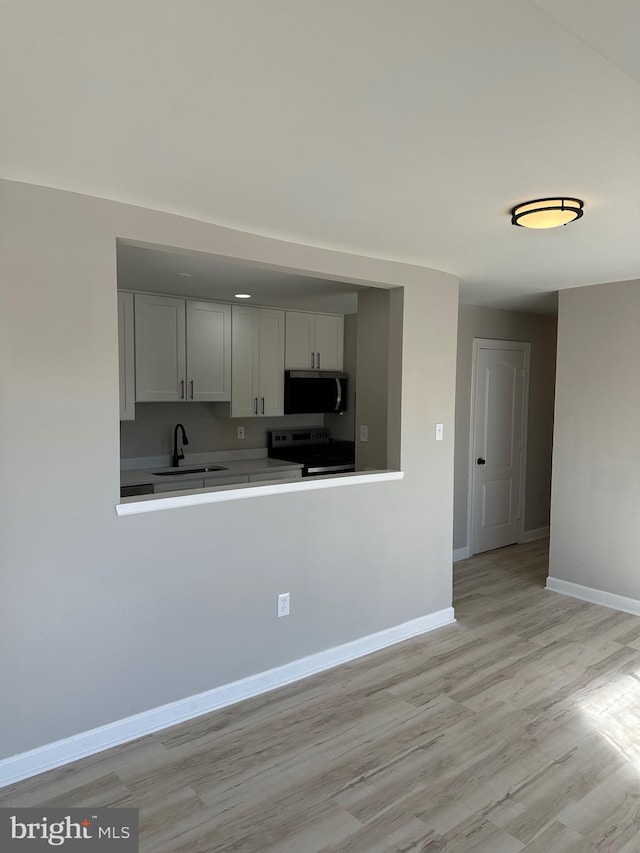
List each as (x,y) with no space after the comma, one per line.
(179,471)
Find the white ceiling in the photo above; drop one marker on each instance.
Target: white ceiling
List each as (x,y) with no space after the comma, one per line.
(200,276)
(402,129)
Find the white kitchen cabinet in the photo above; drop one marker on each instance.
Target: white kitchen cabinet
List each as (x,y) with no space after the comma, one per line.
(126,356)
(180,486)
(206,483)
(231,480)
(329,342)
(257,358)
(275,475)
(183,349)
(208,351)
(314,341)
(160,348)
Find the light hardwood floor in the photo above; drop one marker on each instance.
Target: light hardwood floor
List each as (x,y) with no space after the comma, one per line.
(518,728)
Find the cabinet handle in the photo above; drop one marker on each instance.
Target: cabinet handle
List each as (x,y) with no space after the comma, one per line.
(182,389)
(255,405)
(313,360)
(192,389)
(263,405)
(318,354)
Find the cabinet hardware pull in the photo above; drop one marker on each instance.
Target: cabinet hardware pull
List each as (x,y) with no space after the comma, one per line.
(255,405)
(182,389)
(313,360)
(192,389)
(263,405)
(318,354)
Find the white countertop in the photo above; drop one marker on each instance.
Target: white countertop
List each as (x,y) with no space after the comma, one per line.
(240,464)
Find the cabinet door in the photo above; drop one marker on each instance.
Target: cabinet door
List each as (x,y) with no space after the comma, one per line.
(126,356)
(271,383)
(231,480)
(329,342)
(274,475)
(208,351)
(244,361)
(160,348)
(182,486)
(300,340)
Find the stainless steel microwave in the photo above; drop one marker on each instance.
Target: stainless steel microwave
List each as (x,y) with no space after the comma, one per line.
(314,391)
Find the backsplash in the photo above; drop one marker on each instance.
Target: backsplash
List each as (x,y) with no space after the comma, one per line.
(151,434)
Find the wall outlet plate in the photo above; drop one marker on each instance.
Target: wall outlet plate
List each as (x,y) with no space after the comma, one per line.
(439,432)
(283,604)
(364,433)
(240,432)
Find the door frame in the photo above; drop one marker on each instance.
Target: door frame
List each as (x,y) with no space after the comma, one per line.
(525,347)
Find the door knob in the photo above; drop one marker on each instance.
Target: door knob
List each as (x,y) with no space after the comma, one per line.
(481,461)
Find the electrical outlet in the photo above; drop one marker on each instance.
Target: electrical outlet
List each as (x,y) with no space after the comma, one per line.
(240,432)
(364,433)
(283,604)
(439,432)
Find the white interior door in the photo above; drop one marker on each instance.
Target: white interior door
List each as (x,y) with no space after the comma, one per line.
(497,442)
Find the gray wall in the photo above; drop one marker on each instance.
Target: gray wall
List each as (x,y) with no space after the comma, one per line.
(151,434)
(373,378)
(342,426)
(595,535)
(540,331)
(104,616)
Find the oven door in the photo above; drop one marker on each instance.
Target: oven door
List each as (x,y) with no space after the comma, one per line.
(314,392)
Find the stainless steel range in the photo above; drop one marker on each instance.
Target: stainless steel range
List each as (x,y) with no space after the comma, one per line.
(313,448)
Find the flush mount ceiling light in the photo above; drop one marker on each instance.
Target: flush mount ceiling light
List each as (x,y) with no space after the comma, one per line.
(242,295)
(547,212)
(182,275)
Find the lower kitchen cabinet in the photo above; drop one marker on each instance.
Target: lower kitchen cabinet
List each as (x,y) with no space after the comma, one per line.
(231,480)
(226,481)
(209,483)
(275,475)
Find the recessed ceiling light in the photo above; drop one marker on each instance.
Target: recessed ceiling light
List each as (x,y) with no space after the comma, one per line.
(183,275)
(242,295)
(547,212)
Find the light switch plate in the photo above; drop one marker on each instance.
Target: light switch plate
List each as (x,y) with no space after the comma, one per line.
(364,433)
(439,432)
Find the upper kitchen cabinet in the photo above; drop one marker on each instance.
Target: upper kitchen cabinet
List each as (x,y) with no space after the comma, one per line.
(208,351)
(257,376)
(126,356)
(183,349)
(314,341)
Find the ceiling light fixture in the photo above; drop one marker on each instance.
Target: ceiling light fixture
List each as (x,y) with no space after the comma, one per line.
(242,295)
(183,275)
(547,212)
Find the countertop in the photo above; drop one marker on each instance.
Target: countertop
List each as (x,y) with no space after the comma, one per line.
(231,467)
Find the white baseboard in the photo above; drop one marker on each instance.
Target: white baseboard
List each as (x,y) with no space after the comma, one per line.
(460,554)
(594,596)
(79,746)
(532,535)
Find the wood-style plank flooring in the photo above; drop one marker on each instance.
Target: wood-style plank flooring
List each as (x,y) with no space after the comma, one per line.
(517,728)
